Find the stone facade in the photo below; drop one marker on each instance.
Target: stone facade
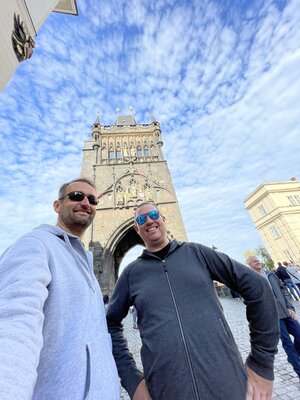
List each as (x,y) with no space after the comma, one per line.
(126,163)
(275,211)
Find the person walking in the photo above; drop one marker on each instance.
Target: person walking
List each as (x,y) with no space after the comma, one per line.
(283,274)
(134,317)
(54,339)
(105,300)
(188,351)
(287,315)
(294,272)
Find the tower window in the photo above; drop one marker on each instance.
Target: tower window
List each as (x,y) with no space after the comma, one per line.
(139,152)
(118,153)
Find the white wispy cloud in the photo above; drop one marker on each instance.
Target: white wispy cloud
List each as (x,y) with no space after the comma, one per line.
(221,77)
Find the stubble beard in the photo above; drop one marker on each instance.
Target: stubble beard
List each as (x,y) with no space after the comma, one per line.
(77,222)
(81,221)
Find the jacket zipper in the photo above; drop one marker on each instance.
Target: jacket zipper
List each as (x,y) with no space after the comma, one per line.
(86,275)
(181,332)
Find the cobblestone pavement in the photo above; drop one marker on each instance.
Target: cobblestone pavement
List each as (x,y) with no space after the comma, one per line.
(286,384)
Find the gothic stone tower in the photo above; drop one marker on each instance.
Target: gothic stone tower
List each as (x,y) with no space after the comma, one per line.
(126,162)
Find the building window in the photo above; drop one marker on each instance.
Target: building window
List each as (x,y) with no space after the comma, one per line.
(111,154)
(146,152)
(139,152)
(288,255)
(262,210)
(294,200)
(275,232)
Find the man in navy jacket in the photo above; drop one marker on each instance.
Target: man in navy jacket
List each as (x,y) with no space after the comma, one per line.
(188,351)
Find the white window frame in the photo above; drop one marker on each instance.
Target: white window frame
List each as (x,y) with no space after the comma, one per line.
(262,209)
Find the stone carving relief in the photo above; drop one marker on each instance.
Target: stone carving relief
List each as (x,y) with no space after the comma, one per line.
(132,189)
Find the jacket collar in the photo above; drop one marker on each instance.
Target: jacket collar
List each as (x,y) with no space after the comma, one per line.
(174,245)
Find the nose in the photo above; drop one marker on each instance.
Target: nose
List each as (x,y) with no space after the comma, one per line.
(85,201)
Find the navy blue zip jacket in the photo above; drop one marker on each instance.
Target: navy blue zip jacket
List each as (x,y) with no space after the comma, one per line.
(188,351)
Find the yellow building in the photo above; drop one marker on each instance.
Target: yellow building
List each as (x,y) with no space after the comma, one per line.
(275,210)
(20,21)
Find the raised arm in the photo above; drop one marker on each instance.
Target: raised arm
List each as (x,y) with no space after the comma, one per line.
(23,291)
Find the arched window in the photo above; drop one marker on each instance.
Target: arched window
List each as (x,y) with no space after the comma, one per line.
(119,153)
(139,152)
(111,153)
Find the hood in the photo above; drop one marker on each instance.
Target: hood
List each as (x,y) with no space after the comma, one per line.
(76,247)
(56,230)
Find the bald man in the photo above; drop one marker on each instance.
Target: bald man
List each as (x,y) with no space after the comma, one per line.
(286,312)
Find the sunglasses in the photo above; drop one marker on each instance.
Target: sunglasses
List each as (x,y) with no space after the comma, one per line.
(79,196)
(142,218)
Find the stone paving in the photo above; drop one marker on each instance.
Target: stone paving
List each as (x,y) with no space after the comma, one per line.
(286,384)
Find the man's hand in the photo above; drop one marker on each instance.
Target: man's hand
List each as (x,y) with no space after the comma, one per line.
(258,388)
(141,392)
(293,315)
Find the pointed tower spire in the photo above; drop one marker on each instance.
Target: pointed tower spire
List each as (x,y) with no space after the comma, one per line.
(97,122)
(153,119)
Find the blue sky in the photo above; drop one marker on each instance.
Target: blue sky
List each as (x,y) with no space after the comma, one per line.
(221,77)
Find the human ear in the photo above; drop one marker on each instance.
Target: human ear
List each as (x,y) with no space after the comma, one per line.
(56,206)
(136,228)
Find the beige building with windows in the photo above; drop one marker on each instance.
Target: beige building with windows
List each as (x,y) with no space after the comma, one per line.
(20,21)
(275,210)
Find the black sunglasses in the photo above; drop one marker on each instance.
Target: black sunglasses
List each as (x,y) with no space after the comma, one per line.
(142,218)
(79,196)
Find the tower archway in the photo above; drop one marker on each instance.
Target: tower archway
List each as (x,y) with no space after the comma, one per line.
(109,259)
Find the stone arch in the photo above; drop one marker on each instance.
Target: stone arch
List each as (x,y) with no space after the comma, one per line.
(119,243)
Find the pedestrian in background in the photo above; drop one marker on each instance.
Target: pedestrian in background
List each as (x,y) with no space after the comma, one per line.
(287,315)
(134,317)
(283,274)
(105,300)
(293,271)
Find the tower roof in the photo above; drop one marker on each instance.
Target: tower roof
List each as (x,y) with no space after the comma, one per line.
(125,120)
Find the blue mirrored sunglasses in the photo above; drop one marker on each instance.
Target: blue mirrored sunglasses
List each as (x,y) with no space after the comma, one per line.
(142,218)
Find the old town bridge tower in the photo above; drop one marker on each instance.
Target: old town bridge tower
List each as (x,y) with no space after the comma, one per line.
(126,163)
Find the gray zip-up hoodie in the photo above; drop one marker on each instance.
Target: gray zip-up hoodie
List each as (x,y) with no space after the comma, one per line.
(54,343)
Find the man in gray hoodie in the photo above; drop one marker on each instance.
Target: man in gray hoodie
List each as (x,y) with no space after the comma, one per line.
(53,332)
